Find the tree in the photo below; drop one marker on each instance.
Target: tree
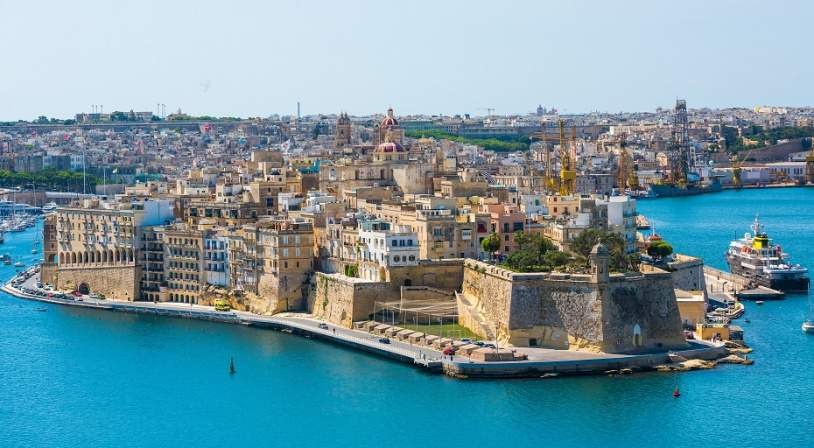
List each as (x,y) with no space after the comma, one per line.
(531,252)
(659,249)
(619,260)
(491,244)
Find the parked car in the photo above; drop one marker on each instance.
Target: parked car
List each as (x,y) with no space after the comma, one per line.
(384,340)
(323,325)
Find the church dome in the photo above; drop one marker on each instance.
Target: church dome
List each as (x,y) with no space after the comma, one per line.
(389,120)
(388,147)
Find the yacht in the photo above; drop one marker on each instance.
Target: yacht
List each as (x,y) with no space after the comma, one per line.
(758,258)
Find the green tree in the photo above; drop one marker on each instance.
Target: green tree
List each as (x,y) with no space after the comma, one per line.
(659,249)
(491,244)
(531,252)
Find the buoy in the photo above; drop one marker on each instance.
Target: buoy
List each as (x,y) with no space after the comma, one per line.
(676,393)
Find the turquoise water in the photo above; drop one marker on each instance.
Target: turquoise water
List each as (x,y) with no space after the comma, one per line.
(78,378)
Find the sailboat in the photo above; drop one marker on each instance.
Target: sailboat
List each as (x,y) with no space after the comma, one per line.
(808,324)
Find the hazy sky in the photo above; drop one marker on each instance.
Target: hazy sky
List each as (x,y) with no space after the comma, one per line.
(255,58)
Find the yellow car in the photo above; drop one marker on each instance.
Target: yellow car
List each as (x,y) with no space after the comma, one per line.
(222,305)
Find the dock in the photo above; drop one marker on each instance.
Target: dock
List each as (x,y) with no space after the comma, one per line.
(727,287)
(540,362)
(760,293)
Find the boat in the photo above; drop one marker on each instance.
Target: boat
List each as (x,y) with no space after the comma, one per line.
(667,190)
(232,369)
(759,259)
(19,264)
(49,207)
(759,302)
(808,324)
(642,223)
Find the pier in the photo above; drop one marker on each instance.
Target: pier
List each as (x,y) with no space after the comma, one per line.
(540,362)
(727,287)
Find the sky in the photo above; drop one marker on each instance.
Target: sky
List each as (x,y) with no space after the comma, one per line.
(257,58)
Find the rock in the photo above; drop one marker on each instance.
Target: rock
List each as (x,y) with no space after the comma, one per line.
(611,372)
(735,359)
(664,368)
(740,350)
(676,358)
(694,364)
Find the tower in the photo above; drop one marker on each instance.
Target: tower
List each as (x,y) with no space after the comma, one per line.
(810,167)
(342,136)
(600,258)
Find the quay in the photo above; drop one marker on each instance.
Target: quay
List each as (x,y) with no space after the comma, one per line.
(539,362)
(727,287)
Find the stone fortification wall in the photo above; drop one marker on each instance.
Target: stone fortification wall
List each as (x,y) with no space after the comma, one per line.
(625,314)
(343,300)
(641,313)
(688,273)
(115,282)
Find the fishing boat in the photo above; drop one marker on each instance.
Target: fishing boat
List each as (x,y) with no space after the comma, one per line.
(757,258)
(19,264)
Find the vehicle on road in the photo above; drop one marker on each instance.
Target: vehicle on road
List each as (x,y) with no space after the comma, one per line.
(384,340)
(323,325)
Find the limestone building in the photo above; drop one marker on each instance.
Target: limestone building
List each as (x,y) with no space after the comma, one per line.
(95,248)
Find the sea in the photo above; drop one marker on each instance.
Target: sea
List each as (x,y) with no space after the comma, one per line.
(87,378)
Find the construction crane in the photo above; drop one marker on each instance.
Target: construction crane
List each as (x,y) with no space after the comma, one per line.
(488,110)
(680,163)
(568,174)
(549,181)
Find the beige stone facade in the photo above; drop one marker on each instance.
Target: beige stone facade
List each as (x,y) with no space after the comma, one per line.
(599,312)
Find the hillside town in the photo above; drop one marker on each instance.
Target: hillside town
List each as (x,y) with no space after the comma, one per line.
(521,230)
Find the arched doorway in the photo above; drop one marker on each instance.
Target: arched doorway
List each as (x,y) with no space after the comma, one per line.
(637,336)
(83,288)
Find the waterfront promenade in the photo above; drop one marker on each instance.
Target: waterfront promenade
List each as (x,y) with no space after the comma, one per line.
(539,362)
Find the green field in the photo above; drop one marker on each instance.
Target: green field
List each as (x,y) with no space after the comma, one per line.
(454,331)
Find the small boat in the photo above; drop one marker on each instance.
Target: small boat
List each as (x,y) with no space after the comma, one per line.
(808,324)
(6,261)
(759,302)
(19,264)
(676,393)
(232,369)
(42,309)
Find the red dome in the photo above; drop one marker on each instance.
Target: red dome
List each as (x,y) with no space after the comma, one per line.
(389,147)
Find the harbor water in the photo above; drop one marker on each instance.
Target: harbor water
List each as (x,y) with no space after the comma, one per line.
(77,378)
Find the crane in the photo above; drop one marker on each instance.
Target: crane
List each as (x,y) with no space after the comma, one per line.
(488,110)
(568,174)
(549,181)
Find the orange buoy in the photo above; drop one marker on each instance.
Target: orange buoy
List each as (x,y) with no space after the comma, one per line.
(676,393)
